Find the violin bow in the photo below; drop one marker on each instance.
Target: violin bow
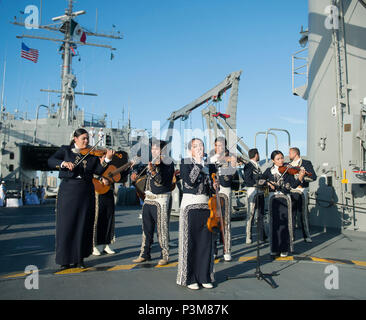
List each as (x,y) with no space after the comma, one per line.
(240,158)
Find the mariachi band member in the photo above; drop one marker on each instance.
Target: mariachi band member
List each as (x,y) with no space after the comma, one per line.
(196,242)
(255,195)
(103,232)
(299,195)
(157,204)
(75,208)
(279,204)
(104,223)
(224,165)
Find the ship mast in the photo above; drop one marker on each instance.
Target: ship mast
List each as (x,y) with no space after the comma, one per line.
(2,94)
(68,80)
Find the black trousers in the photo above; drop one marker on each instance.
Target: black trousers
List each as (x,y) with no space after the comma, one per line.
(280,241)
(297,206)
(105,223)
(150,221)
(259,207)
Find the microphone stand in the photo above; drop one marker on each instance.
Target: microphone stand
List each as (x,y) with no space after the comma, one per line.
(258,272)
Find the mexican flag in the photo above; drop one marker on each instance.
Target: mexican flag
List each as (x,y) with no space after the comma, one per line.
(77,32)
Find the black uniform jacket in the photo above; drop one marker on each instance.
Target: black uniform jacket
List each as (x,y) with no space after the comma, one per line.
(251,174)
(85,170)
(287,182)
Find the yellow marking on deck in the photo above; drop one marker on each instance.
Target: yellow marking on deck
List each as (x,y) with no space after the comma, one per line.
(16,275)
(359,263)
(72,270)
(122,267)
(173,264)
(245,259)
(289,258)
(323,260)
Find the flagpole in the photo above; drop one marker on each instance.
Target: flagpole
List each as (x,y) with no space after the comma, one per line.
(2,91)
(40,12)
(96,20)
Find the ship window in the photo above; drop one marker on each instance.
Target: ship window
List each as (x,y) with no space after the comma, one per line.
(329,182)
(108,140)
(11,155)
(11,167)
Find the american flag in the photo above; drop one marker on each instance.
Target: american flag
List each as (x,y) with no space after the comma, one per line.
(29,53)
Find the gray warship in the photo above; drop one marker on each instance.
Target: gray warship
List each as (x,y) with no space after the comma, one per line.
(327,71)
(26,144)
(336,97)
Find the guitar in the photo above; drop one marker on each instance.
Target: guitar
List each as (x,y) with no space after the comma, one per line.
(140,184)
(112,174)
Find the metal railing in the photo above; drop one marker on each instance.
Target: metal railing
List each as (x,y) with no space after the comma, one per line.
(299,69)
(266,133)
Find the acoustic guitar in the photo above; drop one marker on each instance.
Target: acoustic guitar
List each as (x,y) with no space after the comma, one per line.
(112,174)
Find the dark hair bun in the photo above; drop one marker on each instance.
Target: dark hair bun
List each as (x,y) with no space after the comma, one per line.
(275,153)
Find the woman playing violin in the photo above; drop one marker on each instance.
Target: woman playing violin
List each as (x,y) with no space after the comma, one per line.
(75,209)
(196,242)
(279,204)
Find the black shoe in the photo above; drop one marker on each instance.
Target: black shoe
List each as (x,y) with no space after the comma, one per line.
(64,267)
(79,265)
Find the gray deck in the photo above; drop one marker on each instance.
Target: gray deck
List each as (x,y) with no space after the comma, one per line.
(27,237)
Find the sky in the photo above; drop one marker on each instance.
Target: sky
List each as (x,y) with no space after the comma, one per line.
(171,53)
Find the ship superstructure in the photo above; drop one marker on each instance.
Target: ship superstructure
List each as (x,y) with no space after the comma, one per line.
(334,87)
(27,144)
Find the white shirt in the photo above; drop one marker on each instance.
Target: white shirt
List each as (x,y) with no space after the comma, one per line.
(296,163)
(274,170)
(255,163)
(2,191)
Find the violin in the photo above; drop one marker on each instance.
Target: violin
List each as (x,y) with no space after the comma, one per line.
(227,157)
(90,150)
(215,219)
(95,152)
(292,170)
(153,162)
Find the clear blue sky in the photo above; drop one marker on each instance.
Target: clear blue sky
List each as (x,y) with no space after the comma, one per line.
(172,52)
